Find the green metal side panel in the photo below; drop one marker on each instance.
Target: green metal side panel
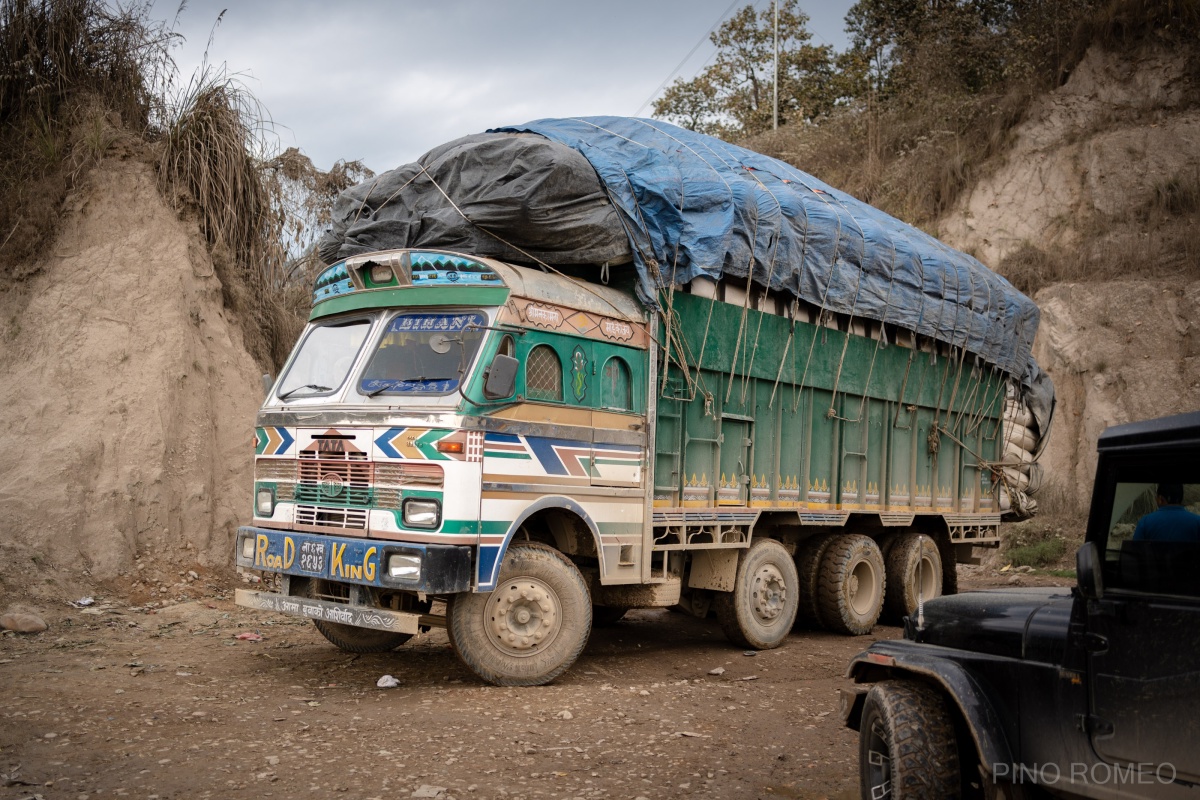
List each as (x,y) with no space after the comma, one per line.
(776,414)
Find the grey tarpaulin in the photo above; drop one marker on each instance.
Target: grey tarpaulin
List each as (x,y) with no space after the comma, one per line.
(681,205)
(538,195)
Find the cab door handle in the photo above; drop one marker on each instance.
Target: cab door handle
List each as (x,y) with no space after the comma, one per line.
(1095,643)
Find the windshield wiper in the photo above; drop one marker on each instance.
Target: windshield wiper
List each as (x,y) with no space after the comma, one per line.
(313,386)
(421,379)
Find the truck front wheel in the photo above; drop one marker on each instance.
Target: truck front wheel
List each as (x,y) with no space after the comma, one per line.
(907,748)
(532,627)
(760,610)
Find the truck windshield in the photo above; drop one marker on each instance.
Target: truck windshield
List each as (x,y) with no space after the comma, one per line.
(423,354)
(324,358)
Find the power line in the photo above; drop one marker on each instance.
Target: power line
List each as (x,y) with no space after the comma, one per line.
(691,52)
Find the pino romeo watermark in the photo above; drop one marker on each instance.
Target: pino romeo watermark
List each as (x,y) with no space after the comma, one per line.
(1098,774)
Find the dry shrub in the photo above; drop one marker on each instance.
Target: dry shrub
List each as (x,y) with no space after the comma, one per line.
(73,73)
(1158,240)
(911,157)
(212,130)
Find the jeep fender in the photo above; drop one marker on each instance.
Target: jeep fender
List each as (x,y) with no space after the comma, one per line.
(885,661)
(488,573)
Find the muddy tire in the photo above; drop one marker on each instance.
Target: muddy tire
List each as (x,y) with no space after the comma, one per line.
(604,616)
(350,638)
(531,628)
(914,569)
(907,748)
(808,568)
(761,609)
(852,585)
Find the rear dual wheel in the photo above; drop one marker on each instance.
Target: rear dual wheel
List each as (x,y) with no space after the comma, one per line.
(914,574)
(852,584)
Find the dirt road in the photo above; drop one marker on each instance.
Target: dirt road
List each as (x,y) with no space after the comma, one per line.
(128,701)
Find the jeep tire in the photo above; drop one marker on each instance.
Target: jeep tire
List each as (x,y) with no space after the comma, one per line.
(907,749)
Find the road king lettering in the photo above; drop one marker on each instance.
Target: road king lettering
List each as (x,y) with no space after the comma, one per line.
(353,572)
(267,560)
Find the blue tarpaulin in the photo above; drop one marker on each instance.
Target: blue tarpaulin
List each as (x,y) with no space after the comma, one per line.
(693,205)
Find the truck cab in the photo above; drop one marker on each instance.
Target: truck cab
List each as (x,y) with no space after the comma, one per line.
(1089,691)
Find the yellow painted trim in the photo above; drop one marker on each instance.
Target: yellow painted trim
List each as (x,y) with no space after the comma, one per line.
(530,411)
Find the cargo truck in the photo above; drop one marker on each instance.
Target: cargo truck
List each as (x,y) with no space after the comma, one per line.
(517,454)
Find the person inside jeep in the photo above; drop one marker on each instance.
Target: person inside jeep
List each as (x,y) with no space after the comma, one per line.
(1171,522)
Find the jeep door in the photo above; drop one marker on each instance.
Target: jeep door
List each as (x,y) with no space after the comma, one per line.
(1144,632)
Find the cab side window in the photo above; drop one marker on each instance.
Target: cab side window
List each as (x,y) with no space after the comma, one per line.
(543,374)
(616,390)
(1154,538)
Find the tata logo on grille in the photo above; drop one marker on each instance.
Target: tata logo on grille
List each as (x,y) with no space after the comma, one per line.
(331,484)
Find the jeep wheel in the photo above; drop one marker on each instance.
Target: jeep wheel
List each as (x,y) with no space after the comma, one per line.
(531,628)
(914,570)
(906,746)
(350,638)
(808,568)
(852,585)
(760,610)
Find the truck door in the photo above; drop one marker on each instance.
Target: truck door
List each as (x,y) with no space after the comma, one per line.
(1144,666)
(737,452)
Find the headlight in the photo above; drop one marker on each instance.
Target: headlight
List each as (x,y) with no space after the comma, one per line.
(404,567)
(248,548)
(422,513)
(265,502)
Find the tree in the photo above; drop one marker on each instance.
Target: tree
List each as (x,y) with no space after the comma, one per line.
(734,95)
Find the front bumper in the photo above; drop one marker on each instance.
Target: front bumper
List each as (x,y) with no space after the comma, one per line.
(360,616)
(445,569)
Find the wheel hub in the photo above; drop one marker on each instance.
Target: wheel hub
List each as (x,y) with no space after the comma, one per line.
(522,616)
(769,594)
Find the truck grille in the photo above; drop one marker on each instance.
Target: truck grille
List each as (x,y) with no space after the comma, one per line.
(326,517)
(342,482)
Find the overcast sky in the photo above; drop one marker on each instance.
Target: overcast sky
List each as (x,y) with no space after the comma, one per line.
(383,82)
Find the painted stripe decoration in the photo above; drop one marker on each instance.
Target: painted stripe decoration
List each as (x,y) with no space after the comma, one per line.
(418,444)
(272,441)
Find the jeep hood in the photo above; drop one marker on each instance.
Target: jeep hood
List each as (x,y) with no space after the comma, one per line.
(1012,623)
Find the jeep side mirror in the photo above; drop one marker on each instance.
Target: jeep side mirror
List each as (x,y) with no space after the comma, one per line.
(268,380)
(501,378)
(1088,571)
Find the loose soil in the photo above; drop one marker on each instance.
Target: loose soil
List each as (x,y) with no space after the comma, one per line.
(164,702)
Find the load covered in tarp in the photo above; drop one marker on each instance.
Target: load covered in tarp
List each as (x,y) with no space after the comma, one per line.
(679,205)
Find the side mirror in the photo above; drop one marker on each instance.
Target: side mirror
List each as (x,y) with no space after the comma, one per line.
(1088,571)
(501,378)
(268,381)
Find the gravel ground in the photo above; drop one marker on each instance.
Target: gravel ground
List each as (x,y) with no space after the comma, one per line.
(123,701)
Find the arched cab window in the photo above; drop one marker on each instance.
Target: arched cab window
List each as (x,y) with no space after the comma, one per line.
(506,347)
(616,391)
(543,374)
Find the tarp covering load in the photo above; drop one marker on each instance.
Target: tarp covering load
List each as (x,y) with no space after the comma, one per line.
(687,205)
(525,197)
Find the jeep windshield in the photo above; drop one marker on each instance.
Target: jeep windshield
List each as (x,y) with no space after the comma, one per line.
(324,358)
(426,354)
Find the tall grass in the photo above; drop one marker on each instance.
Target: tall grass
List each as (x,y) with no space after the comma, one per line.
(71,73)
(78,75)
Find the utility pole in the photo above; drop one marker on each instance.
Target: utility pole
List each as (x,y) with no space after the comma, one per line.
(775,101)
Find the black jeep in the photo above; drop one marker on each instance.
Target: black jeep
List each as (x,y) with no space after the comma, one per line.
(1092,691)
